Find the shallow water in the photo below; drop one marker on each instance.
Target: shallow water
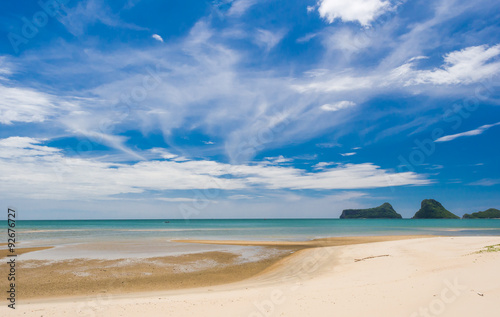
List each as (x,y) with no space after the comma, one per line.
(113,239)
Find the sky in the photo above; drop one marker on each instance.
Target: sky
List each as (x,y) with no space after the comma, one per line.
(247,108)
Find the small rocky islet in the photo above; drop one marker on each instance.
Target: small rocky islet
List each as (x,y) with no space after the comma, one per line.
(491,213)
(432,209)
(384,211)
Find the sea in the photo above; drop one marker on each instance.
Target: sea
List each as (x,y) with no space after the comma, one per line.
(114,239)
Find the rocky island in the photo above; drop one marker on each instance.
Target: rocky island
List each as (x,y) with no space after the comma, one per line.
(383,211)
(432,209)
(487,214)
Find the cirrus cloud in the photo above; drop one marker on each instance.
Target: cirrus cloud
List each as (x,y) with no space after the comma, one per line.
(477,131)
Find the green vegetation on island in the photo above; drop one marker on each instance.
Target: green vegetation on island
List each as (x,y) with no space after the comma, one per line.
(383,211)
(432,209)
(487,214)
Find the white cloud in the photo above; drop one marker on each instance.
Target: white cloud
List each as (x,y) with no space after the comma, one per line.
(348,176)
(466,66)
(322,165)
(338,105)
(462,67)
(278,159)
(348,154)
(14,147)
(24,105)
(240,197)
(157,37)
(477,131)
(362,11)
(176,200)
(163,153)
(32,170)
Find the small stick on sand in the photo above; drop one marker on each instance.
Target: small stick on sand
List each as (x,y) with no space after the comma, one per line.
(370,257)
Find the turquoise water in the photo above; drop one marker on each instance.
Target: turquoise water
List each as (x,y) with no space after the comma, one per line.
(128,238)
(252,229)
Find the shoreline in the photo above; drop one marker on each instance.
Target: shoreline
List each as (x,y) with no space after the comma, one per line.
(321,242)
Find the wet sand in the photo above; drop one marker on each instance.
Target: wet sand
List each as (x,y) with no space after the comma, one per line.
(5,252)
(80,277)
(324,242)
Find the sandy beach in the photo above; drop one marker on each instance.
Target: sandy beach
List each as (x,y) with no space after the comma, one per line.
(432,276)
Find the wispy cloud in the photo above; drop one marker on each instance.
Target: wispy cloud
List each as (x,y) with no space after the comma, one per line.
(328,145)
(78,18)
(477,131)
(348,195)
(203,73)
(4,67)
(239,7)
(268,39)
(485,182)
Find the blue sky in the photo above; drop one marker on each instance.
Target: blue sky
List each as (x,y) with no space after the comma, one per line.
(247,108)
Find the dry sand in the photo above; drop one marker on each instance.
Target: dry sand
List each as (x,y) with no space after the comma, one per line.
(438,276)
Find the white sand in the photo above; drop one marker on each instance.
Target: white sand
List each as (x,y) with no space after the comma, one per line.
(422,277)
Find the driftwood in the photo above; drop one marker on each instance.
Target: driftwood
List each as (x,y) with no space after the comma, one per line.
(370,257)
